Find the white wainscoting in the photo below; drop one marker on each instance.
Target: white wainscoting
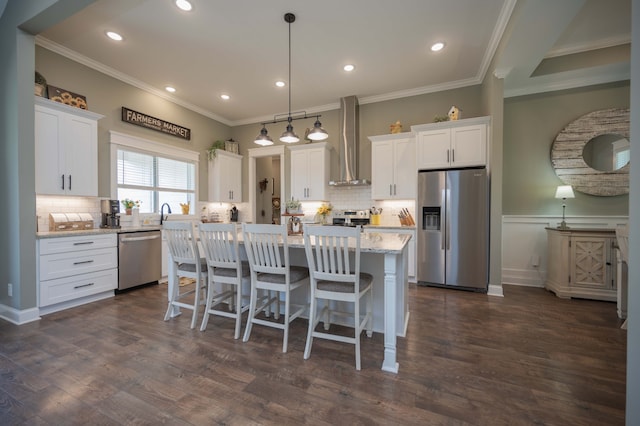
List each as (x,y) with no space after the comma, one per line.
(524,244)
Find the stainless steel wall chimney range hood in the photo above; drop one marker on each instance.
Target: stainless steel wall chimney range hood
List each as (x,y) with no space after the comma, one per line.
(349,143)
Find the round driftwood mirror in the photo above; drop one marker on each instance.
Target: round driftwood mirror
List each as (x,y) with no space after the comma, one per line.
(592,153)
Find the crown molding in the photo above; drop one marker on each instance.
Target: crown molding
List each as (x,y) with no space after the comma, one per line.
(584,47)
(125,78)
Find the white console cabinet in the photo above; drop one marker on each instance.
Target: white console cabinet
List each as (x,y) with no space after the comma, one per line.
(76,270)
(66,149)
(393,166)
(452,144)
(582,263)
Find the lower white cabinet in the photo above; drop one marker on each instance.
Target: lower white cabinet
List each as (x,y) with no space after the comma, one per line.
(411,254)
(75,270)
(582,263)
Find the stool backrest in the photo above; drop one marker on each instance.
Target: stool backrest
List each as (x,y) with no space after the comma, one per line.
(181,242)
(262,243)
(328,254)
(219,242)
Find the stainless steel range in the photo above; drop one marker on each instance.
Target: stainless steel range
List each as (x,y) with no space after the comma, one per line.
(351,217)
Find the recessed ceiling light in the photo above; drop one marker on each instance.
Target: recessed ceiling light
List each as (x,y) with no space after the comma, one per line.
(225,97)
(437,46)
(349,67)
(114,36)
(184,5)
(280,83)
(170,89)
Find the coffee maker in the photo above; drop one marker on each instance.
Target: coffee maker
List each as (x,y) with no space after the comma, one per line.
(110,210)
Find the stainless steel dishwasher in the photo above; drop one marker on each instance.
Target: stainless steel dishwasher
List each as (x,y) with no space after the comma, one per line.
(139,258)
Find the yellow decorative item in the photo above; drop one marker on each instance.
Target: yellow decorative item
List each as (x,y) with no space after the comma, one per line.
(375,219)
(395,127)
(323,211)
(185,207)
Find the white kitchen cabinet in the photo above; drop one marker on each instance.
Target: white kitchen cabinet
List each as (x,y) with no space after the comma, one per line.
(309,171)
(66,149)
(393,166)
(76,270)
(582,263)
(452,144)
(225,177)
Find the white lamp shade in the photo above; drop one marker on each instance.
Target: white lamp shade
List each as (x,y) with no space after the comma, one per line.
(564,191)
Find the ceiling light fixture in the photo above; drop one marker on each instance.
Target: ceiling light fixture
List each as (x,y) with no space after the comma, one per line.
(184,5)
(225,97)
(280,83)
(170,89)
(114,36)
(349,67)
(437,46)
(289,136)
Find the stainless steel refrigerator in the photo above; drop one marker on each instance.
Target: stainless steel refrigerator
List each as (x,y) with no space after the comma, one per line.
(453,228)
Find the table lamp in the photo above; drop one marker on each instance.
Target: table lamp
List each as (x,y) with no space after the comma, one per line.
(564,192)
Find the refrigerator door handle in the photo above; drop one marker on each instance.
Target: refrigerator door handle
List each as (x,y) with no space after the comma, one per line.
(447,220)
(443,231)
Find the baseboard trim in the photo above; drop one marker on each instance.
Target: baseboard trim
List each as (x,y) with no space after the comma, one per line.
(495,290)
(17,316)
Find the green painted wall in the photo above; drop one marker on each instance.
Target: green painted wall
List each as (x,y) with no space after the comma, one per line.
(531,124)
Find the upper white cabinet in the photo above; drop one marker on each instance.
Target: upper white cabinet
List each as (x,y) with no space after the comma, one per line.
(309,171)
(66,149)
(393,166)
(225,177)
(452,144)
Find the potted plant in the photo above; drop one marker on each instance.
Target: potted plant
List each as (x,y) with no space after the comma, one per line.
(293,205)
(211,152)
(130,204)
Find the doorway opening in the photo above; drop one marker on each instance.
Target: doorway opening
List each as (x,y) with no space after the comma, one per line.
(266,183)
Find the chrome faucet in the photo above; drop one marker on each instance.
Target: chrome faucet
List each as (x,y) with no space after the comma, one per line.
(162,212)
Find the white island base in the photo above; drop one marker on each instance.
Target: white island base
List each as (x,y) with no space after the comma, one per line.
(385,257)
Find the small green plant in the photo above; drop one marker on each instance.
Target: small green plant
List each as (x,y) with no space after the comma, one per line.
(129,203)
(440,118)
(293,205)
(211,152)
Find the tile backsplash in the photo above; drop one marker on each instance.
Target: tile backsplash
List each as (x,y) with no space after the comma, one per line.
(46,204)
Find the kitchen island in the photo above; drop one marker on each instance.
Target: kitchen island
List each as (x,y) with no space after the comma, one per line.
(383,255)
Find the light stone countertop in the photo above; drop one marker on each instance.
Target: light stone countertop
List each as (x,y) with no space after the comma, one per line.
(369,243)
(96,231)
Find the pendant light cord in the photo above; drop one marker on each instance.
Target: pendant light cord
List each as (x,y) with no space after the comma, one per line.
(290,18)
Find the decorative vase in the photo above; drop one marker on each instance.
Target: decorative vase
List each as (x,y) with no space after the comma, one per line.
(323,219)
(128,211)
(135,219)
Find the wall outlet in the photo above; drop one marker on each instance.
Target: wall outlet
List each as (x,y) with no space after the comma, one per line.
(10,289)
(535,260)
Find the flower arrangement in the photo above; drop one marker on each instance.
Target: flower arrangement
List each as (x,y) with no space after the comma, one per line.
(129,203)
(324,210)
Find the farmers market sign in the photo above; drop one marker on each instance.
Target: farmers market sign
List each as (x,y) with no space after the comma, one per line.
(144,120)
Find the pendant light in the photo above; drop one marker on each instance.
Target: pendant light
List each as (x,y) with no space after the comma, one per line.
(289,136)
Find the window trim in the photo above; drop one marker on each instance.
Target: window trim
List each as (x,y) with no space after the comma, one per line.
(133,143)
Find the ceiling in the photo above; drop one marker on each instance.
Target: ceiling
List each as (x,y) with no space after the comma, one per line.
(240,48)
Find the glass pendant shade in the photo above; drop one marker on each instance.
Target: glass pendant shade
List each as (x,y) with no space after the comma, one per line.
(263,138)
(318,133)
(289,136)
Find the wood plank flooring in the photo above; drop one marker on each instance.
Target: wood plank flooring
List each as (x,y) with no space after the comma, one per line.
(528,358)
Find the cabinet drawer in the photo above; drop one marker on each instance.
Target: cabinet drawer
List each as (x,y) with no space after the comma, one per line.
(68,264)
(64,289)
(79,243)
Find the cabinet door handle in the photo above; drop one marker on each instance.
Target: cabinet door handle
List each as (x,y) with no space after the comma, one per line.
(83,243)
(390,189)
(394,189)
(62,182)
(69,182)
(83,285)
(453,155)
(448,155)
(83,262)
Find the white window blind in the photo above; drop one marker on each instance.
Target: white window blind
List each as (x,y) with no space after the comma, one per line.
(155,180)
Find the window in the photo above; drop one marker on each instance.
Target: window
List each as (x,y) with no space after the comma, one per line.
(155,176)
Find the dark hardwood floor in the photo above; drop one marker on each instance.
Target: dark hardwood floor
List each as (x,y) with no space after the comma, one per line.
(527,358)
